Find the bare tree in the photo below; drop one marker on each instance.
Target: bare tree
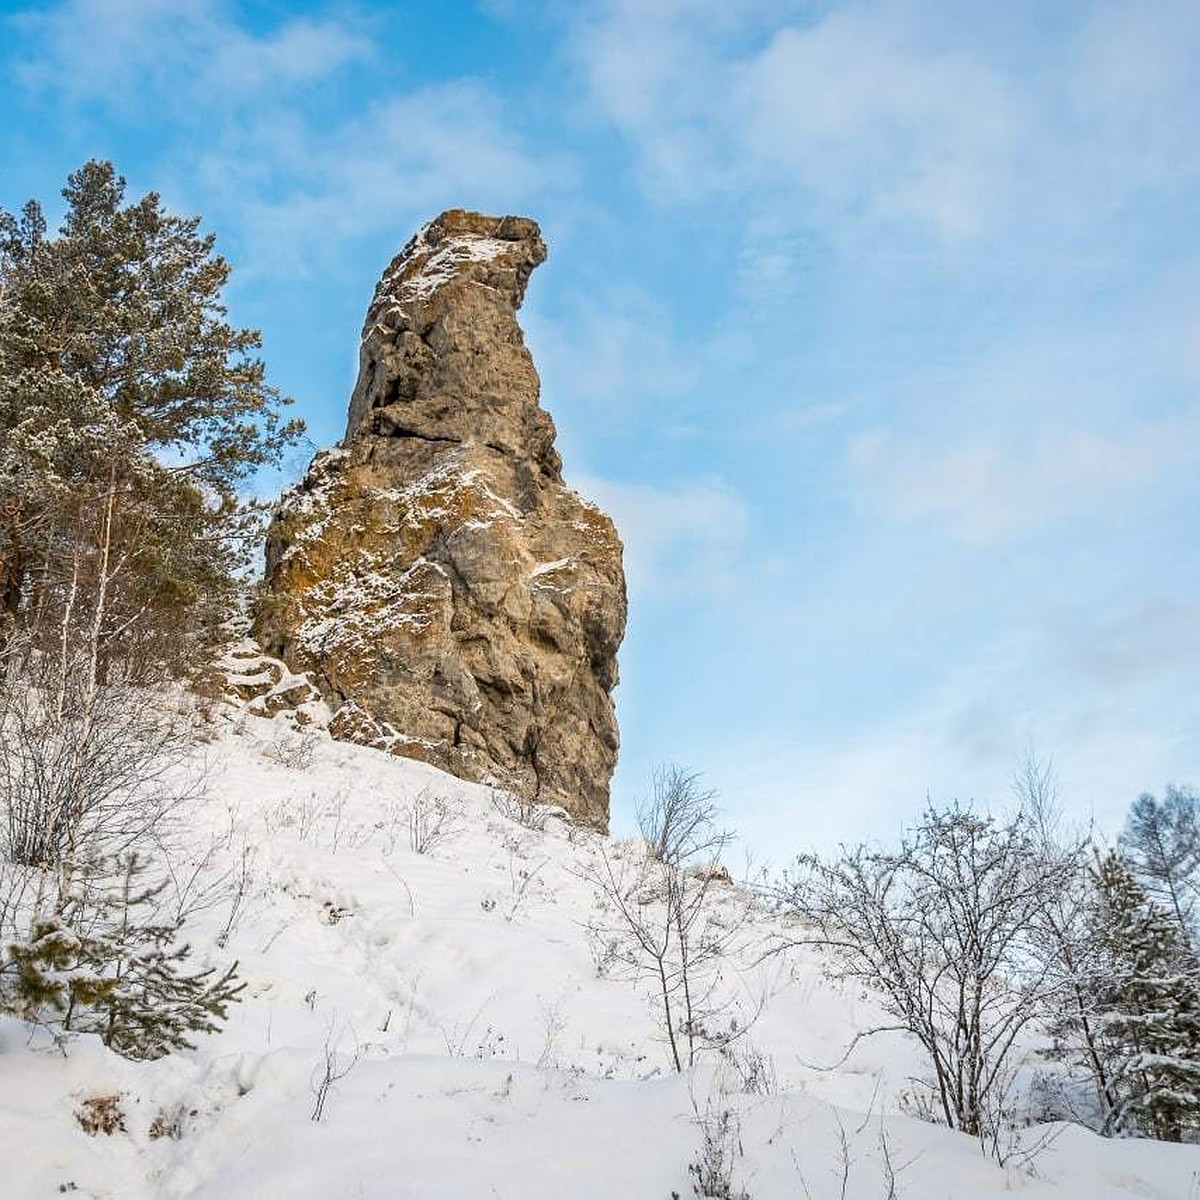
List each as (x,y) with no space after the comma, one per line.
(659,921)
(1066,941)
(678,820)
(945,931)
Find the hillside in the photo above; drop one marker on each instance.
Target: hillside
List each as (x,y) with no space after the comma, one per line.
(485,1046)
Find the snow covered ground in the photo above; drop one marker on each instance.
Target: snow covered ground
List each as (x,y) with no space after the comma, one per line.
(482,1046)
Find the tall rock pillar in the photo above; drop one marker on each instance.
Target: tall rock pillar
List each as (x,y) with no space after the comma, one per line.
(453,599)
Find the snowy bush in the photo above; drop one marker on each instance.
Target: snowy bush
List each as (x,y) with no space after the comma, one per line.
(101,1114)
(292,749)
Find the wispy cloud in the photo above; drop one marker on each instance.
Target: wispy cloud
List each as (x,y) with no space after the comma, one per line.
(191,53)
(848,112)
(687,538)
(964,738)
(987,491)
(881,115)
(255,139)
(301,190)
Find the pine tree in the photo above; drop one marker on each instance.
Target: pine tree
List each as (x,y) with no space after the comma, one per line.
(129,405)
(108,964)
(131,413)
(1145,990)
(151,1004)
(47,982)
(1162,842)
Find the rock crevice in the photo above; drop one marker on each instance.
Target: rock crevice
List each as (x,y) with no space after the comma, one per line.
(442,586)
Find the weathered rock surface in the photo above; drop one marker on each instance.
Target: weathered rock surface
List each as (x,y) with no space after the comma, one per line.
(451,597)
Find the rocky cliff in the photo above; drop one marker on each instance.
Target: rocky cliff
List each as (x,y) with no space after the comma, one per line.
(451,597)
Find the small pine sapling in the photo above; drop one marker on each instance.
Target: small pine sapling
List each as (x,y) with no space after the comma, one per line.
(109,965)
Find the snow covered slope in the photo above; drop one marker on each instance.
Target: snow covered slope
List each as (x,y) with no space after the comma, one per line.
(483,1046)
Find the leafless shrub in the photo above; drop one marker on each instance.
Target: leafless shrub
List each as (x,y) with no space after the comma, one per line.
(490,1044)
(299,813)
(519,805)
(170,1122)
(849,1155)
(712,1170)
(658,923)
(755,1070)
(237,892)
(920,1100)
(292,749)
(678,820)
(342,833)
(192,889)
(412,907)
(890,1170)
(604,946)
(87,774)
(521,880)
(393,824)
(554,1025)
(19,886)
(332,1067)
(457,1037)
(432,820)
(946,931)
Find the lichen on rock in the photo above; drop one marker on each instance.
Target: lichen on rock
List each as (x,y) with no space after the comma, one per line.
(452,598)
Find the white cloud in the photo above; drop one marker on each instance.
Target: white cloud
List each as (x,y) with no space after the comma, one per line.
(900,117)
(299,190)
(986,491)
(252,142)
(853,111)
(615,350)
(678,539)
(848,111)
(1111,729)
(190,53)
(1130,89)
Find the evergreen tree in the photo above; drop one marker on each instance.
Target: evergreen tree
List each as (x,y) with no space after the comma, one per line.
(45,978)
(1162,842)
(130,413)
(108,964)
(1145,988)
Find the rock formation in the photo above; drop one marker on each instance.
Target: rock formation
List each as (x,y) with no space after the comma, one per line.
(451,597)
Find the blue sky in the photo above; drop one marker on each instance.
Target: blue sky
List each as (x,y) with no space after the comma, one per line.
(876,327)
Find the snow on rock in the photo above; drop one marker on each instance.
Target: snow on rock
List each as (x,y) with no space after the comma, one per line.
(448,594)
(267,687)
